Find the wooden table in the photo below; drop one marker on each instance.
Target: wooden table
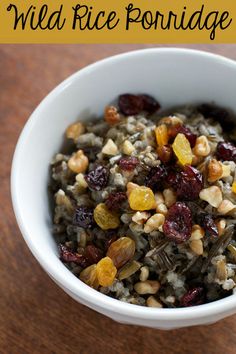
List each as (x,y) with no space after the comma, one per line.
(35,315)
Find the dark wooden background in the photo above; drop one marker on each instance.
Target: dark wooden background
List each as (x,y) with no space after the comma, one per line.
(35,315)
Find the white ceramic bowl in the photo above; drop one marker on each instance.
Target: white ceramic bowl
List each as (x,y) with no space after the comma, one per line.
(173,76)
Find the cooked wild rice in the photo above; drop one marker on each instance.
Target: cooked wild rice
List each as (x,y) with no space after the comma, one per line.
(174,259)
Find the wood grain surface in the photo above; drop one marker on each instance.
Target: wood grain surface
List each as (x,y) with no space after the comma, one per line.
(35,315)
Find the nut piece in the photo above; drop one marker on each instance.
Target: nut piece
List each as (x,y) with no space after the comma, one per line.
(226,207)
(221,224)
(160,205)
(152,302)
(81,180)
(226,170)
(62,199)
(196,160)
(162,209)
(147,287)
(144,273)
(130,186)
(164,153)
(171,121)
(170,197)
(212,195)
(111,115)
(140,217)
(110,148)
(78,162)
(197,233)
(155,222)
(221,270)
(196,246)
(159,198)
(215,171)
(74,131)
(202,147)
(128,147)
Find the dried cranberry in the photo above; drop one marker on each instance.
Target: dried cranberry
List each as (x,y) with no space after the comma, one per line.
(219,114)
(133,104)
(173,131)
(172,178)
(130,104)
(193,297)
(150,105)
(207,222)
(115,200)
(156,177)
(93,254)
(226,151)
(178,223)
(202,218)
(189,135)
(97,179)
(84,217)
(128,163)
(189,183)
(67,255)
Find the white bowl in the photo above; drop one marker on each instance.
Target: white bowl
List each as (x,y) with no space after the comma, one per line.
(173,76)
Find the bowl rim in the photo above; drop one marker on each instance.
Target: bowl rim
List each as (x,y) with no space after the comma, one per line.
(54,267)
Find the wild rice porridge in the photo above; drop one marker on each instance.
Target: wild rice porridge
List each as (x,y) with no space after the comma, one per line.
(145,203)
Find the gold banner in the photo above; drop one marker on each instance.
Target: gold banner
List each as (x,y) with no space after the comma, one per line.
(100,21)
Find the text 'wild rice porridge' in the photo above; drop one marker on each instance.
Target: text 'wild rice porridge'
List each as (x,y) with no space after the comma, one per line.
(145,203)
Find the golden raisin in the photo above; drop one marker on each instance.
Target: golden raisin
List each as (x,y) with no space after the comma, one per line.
(234,187)
(129,269)
(121,251)
(111,115)
(232,250)
(106,271)
(142,198)
(161,135)
(182,149)
(105,218)
(89,276)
